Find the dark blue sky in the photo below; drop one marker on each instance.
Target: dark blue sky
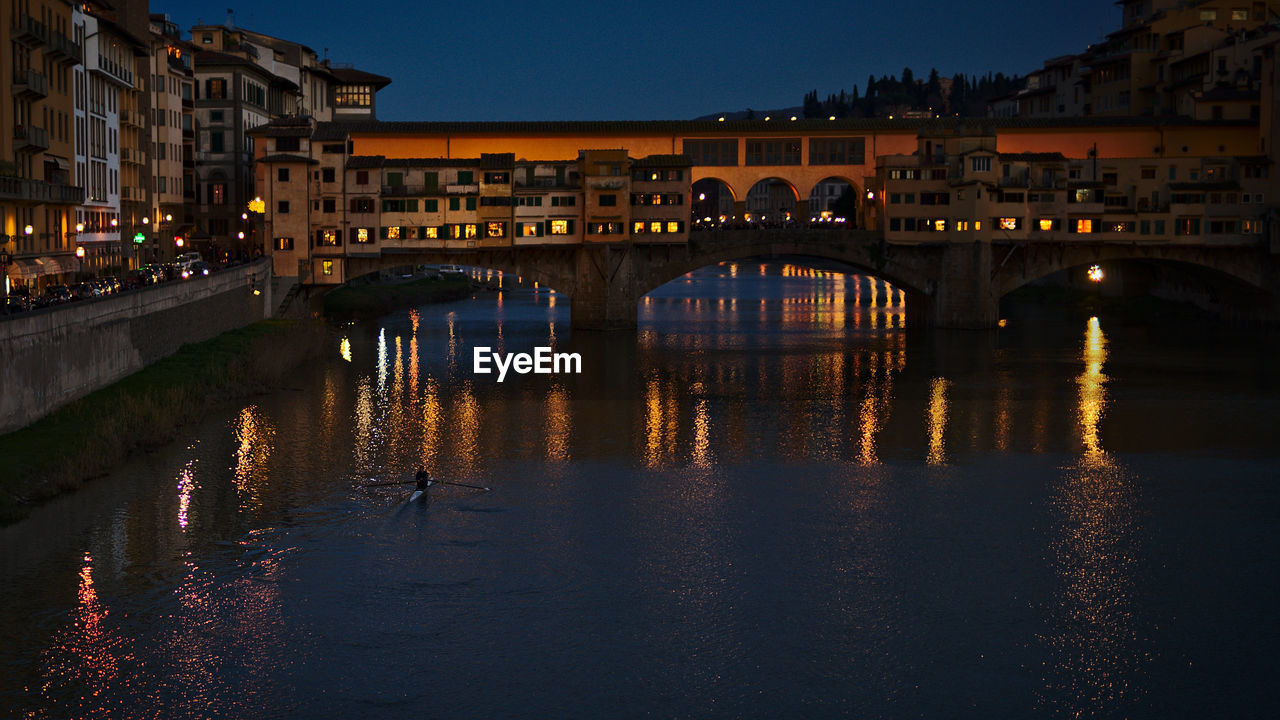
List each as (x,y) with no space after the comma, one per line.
(654,59)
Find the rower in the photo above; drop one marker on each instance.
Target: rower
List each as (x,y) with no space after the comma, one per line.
(423,479)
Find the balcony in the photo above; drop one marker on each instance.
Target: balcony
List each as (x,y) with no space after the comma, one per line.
(37,192)
(30,84)
(64,50)
(461,189)
(30,139)
(29,32)
(131,117)
(115,70)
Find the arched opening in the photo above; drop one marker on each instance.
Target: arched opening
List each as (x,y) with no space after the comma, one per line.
(772,202)
(780,293)
(711,203)
(834,200)
(1128,286)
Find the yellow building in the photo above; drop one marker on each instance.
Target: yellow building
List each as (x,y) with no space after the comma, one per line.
(37,144)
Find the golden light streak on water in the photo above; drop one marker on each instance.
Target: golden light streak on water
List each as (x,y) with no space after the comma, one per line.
(382,362)
(1098,656)
(868,426)
(1093,394)
(653,424)
(186,486)
(936,421)
(1003,423)
(363,442)
(559,424)
(702,455)
(432,420)
(254,442)
(467,423)
(344,349)
(413,357)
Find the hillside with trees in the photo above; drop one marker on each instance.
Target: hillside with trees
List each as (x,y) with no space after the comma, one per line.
(966,96)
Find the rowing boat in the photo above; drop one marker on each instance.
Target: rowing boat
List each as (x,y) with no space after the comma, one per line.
(416,494)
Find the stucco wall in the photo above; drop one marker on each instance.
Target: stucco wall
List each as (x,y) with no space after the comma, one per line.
(50,357)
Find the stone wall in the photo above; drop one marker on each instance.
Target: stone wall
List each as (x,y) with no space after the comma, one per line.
(51,357)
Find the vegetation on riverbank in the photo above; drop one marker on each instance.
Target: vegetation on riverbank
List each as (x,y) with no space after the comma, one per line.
(354,301)
(96,433)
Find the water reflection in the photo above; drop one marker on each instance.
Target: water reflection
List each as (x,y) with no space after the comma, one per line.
(1098,658)
(255,437)
(936,421)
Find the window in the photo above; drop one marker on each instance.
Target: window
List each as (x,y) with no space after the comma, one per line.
(466,177)
(282,207)
(495,229)
(837,151)
(284,243)
(529,229)
(1120,227)
(206,38)
(326,267)
(1084,225)
(1224,227)
(330,205)
(1047,224)
(353,96)
(363,236)
(980,164)
(216,142)
(362,177)
(391,233)
(488,201)
(1187,226)
(563,201)
(215,89)
(455,203)
(1208,15)
(1239,14)
(328,238)
(430,233)
(712,152)
(430,205)
(1251,227)
(282,174)
(218,194)
(783,151)
(561,227)
(332,148)
(497,178)
(609,200)
(215,116)
(471,203)
(288,144)
(362,205)
(395,179)
(1009,223)
(895,224)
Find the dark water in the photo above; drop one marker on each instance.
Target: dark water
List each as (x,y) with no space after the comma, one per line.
(770,502)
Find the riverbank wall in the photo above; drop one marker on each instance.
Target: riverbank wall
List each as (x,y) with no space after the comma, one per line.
(52,357)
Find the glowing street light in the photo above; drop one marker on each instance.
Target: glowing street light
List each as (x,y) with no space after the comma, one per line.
(79,227)
(1096,274)
(80,252)
(28,230)
(168,218)
(146,220)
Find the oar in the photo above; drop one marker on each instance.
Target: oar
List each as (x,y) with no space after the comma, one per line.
(446,482)
(389,484)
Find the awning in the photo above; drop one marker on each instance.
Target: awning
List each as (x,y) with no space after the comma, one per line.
(24,269)
(57,266)
(63,165)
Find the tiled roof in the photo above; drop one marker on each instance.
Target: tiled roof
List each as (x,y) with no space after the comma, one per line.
(351,76)
(362,162)
(1034,157)
(284,157)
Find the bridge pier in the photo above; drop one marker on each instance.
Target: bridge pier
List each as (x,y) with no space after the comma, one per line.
(965,297)
(605,292)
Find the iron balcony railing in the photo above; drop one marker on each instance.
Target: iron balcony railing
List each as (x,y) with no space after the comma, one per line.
(38,191)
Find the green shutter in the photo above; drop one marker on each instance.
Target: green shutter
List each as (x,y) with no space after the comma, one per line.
(430,181)
(395,179)
(465,177)
(471,203)
(411,205)
(382,232)
(430,205)
(453,203)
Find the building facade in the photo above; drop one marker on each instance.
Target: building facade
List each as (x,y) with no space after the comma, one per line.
(38,193)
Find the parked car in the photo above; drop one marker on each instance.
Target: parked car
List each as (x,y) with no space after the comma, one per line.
(137,278)
(57,294)
(451,270)
(87,290)
(16,304)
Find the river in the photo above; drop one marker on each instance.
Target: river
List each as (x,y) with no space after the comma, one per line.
(770,501)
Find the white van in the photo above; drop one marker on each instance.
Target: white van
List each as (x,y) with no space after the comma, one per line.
(187,259)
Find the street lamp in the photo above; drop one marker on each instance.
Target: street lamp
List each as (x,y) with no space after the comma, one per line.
(1096,274)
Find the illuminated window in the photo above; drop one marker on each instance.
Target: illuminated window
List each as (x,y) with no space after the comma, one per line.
(560,227)
(940,225)
(430,233)
(218,194)
(1208,15)
(530,229)
(1084,225)
(284,243)
(393,232)
(977,224)
(962,225)
(1239,14)
(353,96)
(1009,223)
(362,235)
(470,230)
(673,226)
(1046,224)
(980,164)
(328,238)
(638,227)
(495,229)
(655,226)
(326,267)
